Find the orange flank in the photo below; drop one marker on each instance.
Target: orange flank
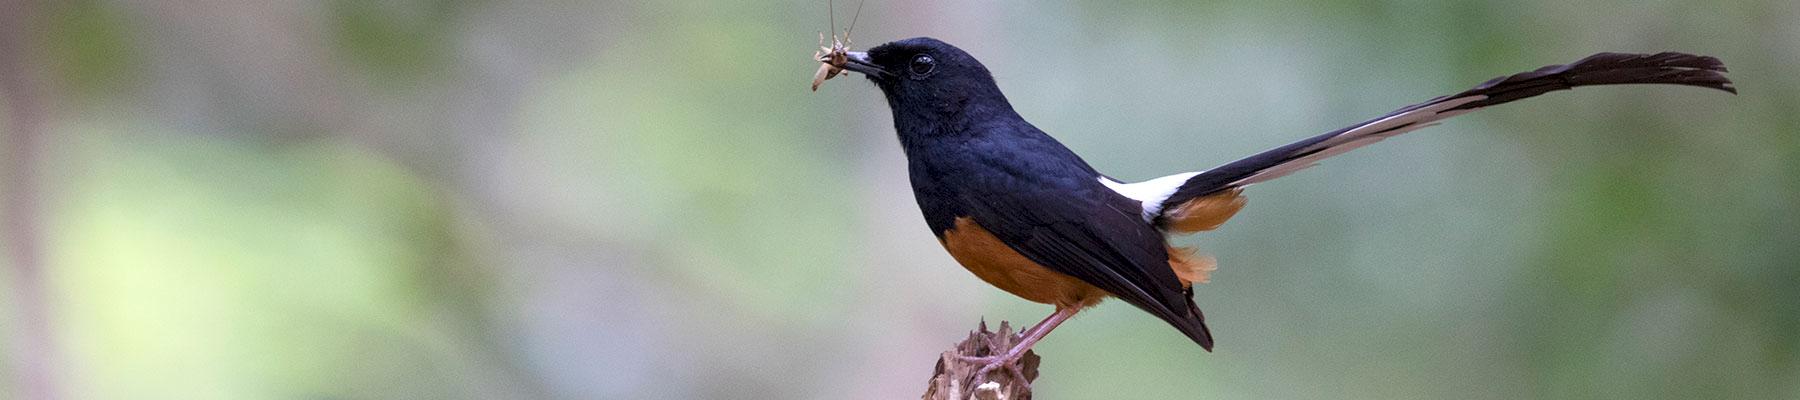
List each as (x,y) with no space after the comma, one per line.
(992,261)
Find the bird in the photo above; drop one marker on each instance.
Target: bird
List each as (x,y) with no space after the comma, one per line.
(1024,213)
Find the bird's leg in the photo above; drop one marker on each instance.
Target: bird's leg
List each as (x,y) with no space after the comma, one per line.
(1037,326)
(1031,337)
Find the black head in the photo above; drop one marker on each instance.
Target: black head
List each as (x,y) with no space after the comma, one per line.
(930,85)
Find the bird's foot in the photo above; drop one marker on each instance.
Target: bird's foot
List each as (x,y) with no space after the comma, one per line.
(1012,369)
(1009,361)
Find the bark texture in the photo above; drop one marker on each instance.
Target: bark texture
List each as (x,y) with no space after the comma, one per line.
(955,379)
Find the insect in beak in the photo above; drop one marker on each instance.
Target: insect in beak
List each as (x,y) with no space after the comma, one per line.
(832,59)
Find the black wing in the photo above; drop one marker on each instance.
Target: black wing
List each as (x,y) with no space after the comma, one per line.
(1599,69)
(1080,228)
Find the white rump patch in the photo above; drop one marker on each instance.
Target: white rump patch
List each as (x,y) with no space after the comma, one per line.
(1151,192)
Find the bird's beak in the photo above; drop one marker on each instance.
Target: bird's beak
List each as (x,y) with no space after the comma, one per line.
(858,61)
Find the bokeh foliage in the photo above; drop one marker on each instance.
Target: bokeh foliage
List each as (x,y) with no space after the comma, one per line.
(559,199)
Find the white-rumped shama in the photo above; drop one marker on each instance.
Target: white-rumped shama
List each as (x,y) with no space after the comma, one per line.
(1022,212)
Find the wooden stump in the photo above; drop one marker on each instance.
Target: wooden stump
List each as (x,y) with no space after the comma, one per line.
(954,379)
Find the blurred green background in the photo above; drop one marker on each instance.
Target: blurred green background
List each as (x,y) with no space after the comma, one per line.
(416,199)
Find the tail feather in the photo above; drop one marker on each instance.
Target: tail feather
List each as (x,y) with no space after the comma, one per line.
(1599,69)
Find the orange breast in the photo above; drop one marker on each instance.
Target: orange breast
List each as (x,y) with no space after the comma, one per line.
(992,261)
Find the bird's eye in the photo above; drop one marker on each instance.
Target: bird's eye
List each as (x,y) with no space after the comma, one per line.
(922,64)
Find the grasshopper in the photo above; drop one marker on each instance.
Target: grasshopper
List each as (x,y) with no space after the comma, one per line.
(832,59)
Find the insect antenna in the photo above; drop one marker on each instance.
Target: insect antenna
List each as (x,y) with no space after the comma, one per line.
(853,18)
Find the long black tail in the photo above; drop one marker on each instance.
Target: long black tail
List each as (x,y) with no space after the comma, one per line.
(1599,69)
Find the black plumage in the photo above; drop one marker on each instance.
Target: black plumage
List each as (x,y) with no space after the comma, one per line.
(970,155)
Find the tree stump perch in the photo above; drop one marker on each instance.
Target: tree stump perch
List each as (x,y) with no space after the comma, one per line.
(955,379)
